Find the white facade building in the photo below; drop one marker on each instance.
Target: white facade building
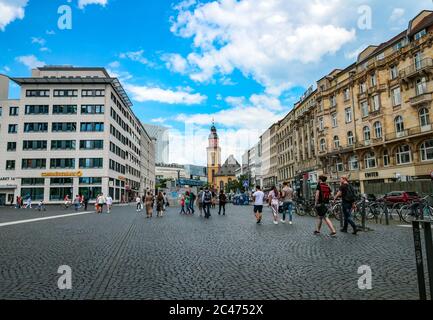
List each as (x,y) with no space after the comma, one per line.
(72,132)
(162,137)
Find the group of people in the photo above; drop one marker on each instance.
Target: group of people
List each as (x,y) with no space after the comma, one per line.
(148,202)
(281,201)
(205,200)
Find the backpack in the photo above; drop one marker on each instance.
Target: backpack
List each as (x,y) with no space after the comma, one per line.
(351,194)
(325,193)
(207,197)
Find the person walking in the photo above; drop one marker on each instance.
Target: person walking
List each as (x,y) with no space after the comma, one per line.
(109,200)
(182,205)
(207,202)
(41,206)
(200,201)
(322,199)
(191,202)
(101,202)
(258,198)
(138,203)
(160,204)
(77,202)
(348,196)
(274,202)
(85,202)
(287,198)
(28,203)
(222,203)
(187,205)
(67,201)
(18,205)
(149,205)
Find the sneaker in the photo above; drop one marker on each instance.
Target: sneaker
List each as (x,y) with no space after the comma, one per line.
(283,221)
(275,222)
(355,232)
(334,234)
(290,222)
(343,231)
(316,233)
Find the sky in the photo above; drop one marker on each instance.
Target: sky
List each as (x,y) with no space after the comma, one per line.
(240,63)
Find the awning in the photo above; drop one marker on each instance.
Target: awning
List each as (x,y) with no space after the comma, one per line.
(8,187)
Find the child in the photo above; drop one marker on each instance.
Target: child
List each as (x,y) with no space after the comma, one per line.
(182,204)
(41,206)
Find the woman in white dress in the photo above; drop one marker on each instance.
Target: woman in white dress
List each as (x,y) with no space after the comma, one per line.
(274,202)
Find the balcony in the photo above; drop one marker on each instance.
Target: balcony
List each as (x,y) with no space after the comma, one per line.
(377,89)
(422,67)
(415,131)
(421,99)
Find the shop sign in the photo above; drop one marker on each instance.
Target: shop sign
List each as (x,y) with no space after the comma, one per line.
(370,175)
(62,174)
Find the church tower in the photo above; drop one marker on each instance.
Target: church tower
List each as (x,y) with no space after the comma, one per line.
(213,156)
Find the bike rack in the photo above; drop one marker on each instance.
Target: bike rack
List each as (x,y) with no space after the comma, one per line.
(426,225)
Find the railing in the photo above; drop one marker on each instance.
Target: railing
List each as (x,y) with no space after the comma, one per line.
(416,67)
(408,132)
(422,98)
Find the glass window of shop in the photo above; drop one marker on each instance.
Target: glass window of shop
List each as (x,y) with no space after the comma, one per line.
(90,192)
(35,194)
(58,194)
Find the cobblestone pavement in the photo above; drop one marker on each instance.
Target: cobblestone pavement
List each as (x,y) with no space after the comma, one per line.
(125,256)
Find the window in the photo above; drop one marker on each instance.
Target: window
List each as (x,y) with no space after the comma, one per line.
(10,164)
(32,181)
(334,120)
(63,145)
(370,160)
(353,163)
(420,34)
(362,87)
(396,97)
(322,145)
(90,181)
(348,112)
(34,145)
(64,109)
(333,101)
(93,93)
(373,80)
(346,94)
(424,118)
(421,86)
(386,159)
(58,194)
(65,93)
(61,181)
(91,144)
(36,127)
(394,72)
(12,146)
(350,138)
(34,164)
(91,192)
(399,124)
(380,56)
(64,127)
(418,60)
(376,103)
(35,194)
(321,124)
(36,109)
(92,127)
(378,130)
(37,93)
(1,111)
(62,164)
(364,109)
(367,134)
(13,128)
(91,163)
(336,142)
(427,151)
(339,166)
(404,155)
(92,109)
(13,111)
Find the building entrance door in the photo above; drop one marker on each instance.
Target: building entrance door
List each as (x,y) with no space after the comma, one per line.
(2,199)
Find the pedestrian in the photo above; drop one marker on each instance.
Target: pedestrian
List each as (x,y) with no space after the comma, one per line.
(200,201)
(138,203)
(101,201)
(41,206)
(67,201)
(109,200)
(222,203)
(258,197)
(274,203)
(85,202)
(77,202)
(192,198)
(348,196)
(149,205)
(28,203)
(187,201)
(18,205)
(207,202)
(182,205)
(214,200)
(322,198)
(287,198)
(166,203)
(160,204)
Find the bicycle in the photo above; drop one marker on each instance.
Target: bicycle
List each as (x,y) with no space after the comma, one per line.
(416,210)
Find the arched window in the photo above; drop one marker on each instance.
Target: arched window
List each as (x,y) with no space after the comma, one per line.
(350,138)
(424,118)
(378,130)
(399,124)
(336,142)
(370,160)
(367,134)
(427,150)
(353,163)
(404,155)
(322,145)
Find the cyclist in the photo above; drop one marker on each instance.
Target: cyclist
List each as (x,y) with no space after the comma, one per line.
(322,198)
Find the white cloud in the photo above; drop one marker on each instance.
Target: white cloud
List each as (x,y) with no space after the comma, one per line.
(39,41)
(84,3)
(159,120)
(175,62)
(50,32)
(5,70)
(397,14)
(353,55)
(10,10)
(137,56)
(144,93)
(30,61)
(121,75)
(265,40)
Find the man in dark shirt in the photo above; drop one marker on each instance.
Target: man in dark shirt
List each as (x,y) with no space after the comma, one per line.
(347,195)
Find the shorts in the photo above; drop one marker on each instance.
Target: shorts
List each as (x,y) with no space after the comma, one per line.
(322,211)
(258,209)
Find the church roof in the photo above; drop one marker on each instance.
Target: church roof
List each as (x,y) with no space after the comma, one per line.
(229,167)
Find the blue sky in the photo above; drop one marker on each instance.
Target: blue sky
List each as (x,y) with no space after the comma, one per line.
(243,63)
